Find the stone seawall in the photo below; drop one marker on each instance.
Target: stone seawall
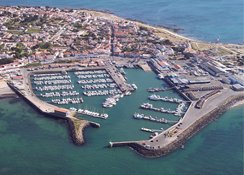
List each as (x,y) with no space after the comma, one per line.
(77,127)
(187,134)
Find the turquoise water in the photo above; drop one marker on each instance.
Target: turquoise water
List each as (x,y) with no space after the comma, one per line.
(206,20)
(121,115)
(30,143)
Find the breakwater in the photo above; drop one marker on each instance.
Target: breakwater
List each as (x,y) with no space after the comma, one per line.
(77,128)
(10,95)
(76,125)
(185,135)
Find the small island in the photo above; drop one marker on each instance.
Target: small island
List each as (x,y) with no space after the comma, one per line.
(55,57)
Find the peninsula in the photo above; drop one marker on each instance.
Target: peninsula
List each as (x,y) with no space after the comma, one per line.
(57,58)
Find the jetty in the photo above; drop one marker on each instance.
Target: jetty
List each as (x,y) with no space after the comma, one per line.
(77,125)
(155,97)
(5,91)
(152,130)
(174,137)
(153,119)
(118,78)
(160,89)
(178,112)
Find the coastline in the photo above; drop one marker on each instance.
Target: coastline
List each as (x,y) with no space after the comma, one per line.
(238,104)
(162,31)
(76,125)
(169,33)
(187,134)
(5,91)
(77,128)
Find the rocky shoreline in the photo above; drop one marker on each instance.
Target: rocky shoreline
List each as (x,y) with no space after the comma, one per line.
(77,127)
(187,134)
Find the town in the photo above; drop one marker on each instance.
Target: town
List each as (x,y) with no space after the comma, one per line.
(47,55)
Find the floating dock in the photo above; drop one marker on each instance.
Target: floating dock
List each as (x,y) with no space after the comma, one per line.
(153,119)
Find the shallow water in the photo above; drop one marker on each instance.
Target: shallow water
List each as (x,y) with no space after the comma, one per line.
(205,20)
(31,143)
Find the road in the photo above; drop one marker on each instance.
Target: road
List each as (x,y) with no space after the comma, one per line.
(190,117)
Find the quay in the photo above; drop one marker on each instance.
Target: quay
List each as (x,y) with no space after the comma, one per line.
(5,91)
(76,125)
(209,88)
(176,136)
(201,111)
(118,78)
(145,67)
(24,89)
(110,69)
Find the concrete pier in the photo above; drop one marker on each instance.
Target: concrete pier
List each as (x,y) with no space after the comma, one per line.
(118,78)
(193,121)
(76,125)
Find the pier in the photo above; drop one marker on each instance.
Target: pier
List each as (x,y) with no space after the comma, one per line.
(155,97)
(159,89)
(118,78)
(174,137)
(153,119)
(152,130)
(76,125)
(178,112)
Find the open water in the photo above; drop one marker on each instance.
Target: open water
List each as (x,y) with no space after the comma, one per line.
(202,19)
(31,143)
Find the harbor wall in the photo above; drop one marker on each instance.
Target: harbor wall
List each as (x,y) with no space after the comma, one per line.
(184,136)
(53,114)
(10,95)
(76,126)
(77,131)
(177,90)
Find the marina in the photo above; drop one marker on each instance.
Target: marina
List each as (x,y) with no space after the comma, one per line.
(155,97)
(112,100)
(90,113)
(178,112)
(154,119)
(69,87)
(68,68)
(70,99)
(152,130)
(160,89)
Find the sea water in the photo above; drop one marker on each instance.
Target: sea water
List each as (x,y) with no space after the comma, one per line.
(31,143)
(206,20)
